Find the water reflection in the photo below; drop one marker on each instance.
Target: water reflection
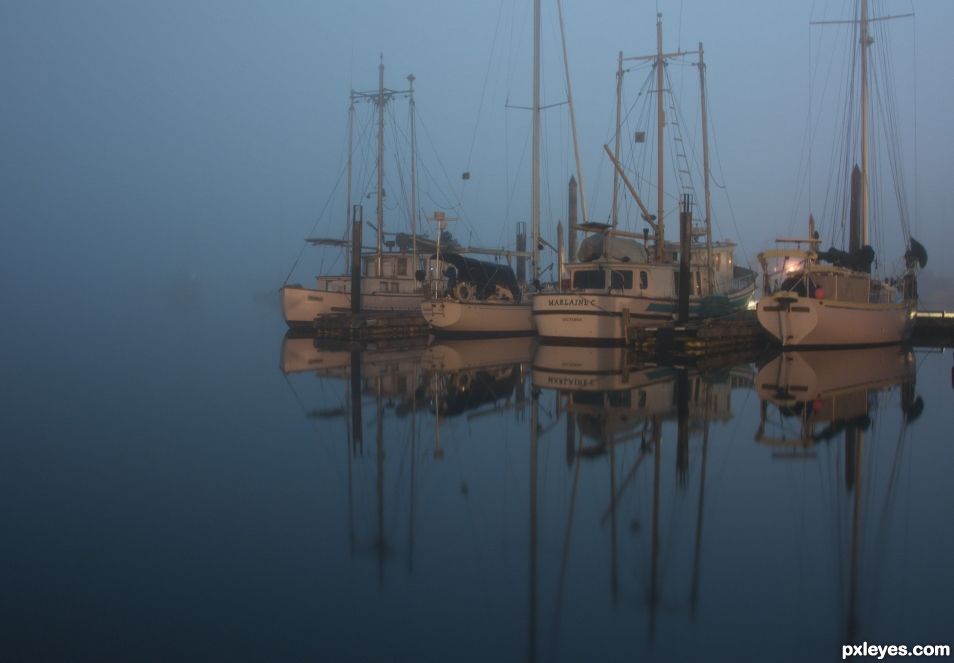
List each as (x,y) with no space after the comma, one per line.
(823,394)
(616,407)
(565,465)
(832,399)
(466,375)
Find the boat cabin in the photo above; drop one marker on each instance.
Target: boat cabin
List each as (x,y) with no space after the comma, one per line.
(655,279)
(398,275)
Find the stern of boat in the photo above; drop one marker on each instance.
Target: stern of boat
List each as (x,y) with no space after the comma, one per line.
(788,317)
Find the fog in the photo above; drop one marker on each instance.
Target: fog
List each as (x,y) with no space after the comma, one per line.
(177,153)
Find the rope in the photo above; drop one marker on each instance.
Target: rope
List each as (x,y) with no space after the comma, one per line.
(301,251)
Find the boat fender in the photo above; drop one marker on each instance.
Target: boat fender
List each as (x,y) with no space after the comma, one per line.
(462,292)
(819,293)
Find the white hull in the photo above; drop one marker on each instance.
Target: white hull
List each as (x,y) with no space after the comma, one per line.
(606,318)
(449,316)
(301,306)
(805,322)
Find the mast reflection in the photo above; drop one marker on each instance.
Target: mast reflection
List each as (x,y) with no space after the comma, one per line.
(813,400)
(388,374)
(620,411)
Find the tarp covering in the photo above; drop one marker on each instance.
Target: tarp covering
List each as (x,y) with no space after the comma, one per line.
(859,260)
(484,275)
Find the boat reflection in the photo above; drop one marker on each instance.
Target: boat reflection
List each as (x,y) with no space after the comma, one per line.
(824,406)
(574,482)
(821,394)
(613,399)
(465,375)
(621,411)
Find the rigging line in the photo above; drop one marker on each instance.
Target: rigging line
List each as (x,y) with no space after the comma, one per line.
(457,204)
(803,174)
(914,77)
(887,101)
(679,30)
(728,198)
(626,116)
(405,202)
(522,158)
(321,214)
(301,404)
(681,136)
(366,172)
(331,196)
(483,89)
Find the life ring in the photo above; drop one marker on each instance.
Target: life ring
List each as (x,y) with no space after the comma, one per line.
(462,292)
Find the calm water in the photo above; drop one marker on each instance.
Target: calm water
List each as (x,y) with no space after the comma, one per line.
(172,491)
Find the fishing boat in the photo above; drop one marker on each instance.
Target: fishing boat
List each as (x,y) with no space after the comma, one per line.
(816,298)
(620,278)
(389,274)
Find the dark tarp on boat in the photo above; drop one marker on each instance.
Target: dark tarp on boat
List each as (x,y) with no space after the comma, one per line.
(485,276)
(859,260)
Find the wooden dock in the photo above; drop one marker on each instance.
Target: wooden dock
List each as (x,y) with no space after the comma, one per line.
(734,334)
(370,325)
(933,329)
(729,335)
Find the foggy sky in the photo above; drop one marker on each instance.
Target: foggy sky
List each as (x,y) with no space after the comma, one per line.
(146,144)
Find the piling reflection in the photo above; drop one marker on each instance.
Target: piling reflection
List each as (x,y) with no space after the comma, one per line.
(578,463)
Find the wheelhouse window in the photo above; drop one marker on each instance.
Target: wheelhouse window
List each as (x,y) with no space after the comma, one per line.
(643,279)
(402,267)
(621,279)
(589,279)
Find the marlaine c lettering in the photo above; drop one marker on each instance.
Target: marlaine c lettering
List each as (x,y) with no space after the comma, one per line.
(569,301)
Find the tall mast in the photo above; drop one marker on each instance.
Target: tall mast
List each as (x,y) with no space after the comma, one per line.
(569,101)
(535,172)
(619,112)
(705,168)
(350,143)
(410,80)
(865,43)
(379,247)
(660,123)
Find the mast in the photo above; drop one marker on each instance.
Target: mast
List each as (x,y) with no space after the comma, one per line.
(660,123)
(863,110)
(619,112)
(705,168)
(379,246)
(569,101)
(350,144)
(535,170)
(410,80)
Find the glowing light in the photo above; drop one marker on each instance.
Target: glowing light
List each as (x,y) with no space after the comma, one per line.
(792,266)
